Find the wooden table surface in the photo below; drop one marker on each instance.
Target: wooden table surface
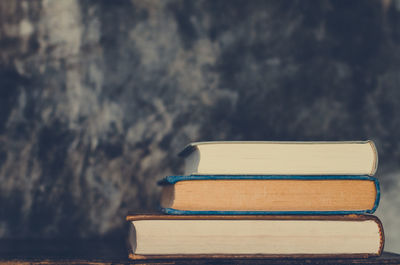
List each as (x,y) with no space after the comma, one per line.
(114,252)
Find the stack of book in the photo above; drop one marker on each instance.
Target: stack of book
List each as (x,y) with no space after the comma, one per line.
(266,199)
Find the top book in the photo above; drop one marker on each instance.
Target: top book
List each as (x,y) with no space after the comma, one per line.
(280,158)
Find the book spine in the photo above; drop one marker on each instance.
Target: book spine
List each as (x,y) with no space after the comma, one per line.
(375,162)
(381,235)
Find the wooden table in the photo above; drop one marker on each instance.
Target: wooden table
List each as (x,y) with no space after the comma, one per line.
(114,252)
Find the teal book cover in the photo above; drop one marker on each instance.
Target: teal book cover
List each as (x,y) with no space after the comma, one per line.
(171,180)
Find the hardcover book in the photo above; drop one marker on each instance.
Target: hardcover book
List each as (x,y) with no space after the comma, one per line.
(254,236)
(246,194)
(280,158)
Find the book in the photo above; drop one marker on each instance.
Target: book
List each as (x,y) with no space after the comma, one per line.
(280,158)
(155,236)
(219,194)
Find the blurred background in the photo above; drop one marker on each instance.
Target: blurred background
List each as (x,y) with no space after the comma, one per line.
(98,97)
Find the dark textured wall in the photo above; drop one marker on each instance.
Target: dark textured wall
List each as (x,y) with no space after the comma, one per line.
(97,97)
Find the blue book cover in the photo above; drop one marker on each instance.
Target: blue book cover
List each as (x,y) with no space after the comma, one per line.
(171,180)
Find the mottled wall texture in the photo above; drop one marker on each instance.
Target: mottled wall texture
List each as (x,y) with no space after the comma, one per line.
(98,97)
